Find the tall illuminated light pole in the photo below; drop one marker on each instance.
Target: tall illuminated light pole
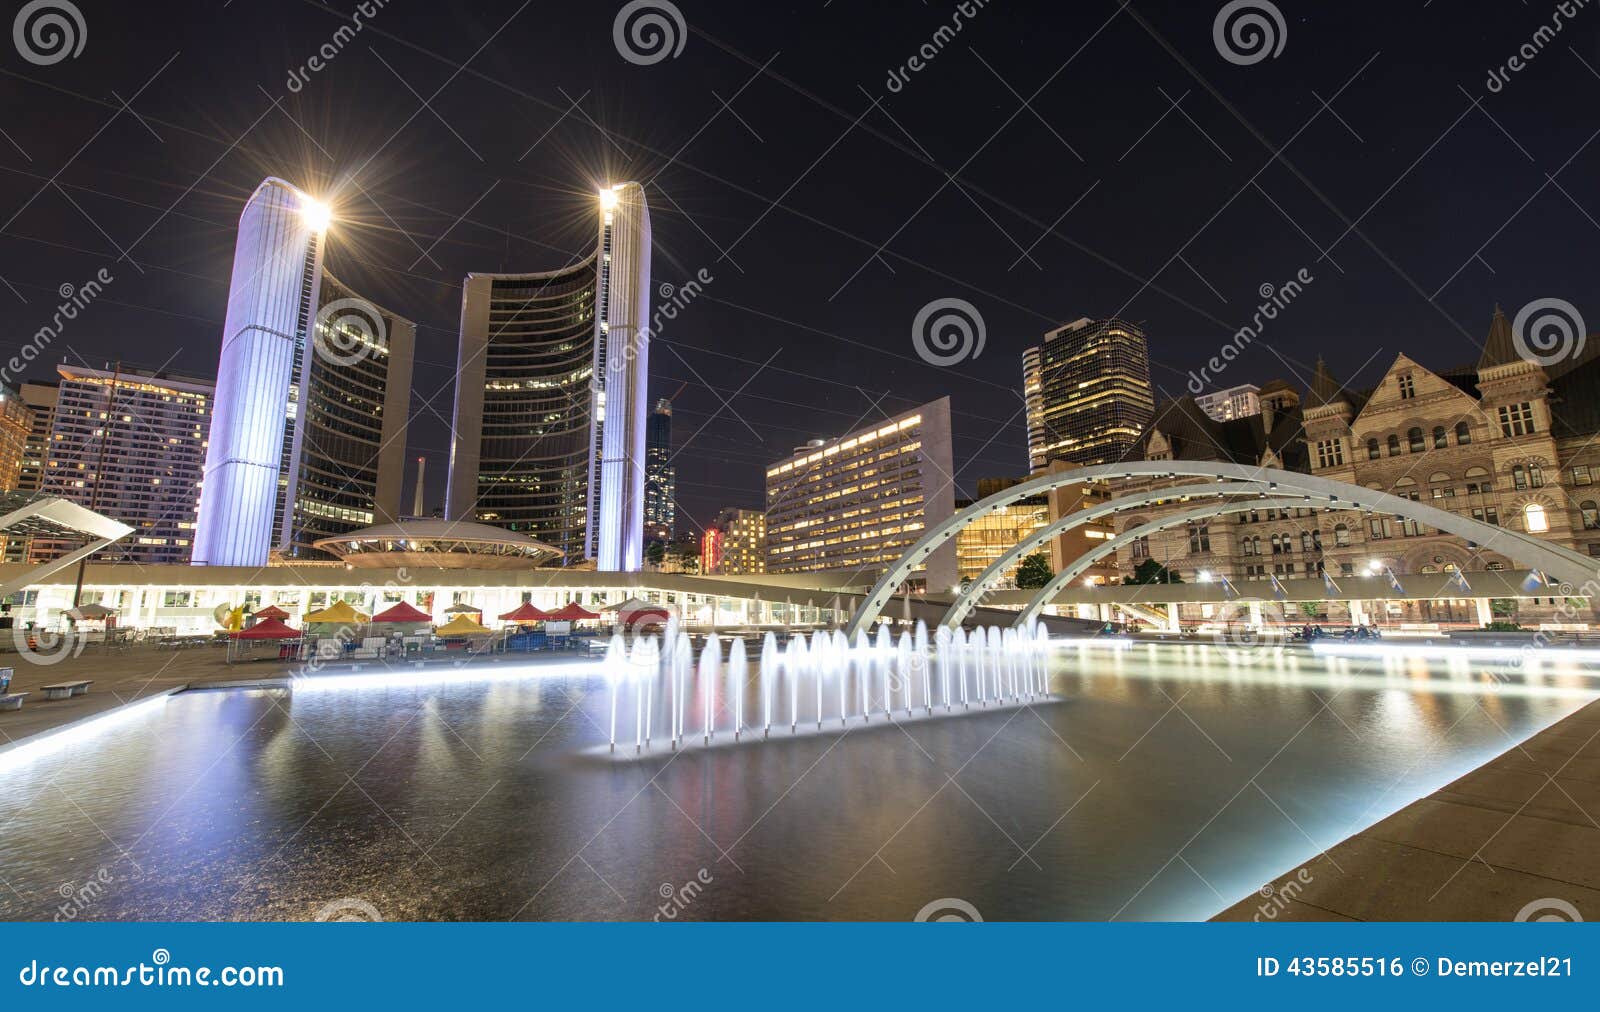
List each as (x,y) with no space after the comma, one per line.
(621,371)
(272,303)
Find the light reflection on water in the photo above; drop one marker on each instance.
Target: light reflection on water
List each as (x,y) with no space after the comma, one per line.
(1167,782)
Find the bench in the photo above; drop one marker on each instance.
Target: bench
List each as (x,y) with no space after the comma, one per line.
(12,701)
(61,690)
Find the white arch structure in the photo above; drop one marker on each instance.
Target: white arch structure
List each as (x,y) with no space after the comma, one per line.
(1563,564)
(969,599)
(1083,562)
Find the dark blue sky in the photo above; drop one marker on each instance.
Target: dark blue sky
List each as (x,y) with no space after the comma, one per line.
(827,222)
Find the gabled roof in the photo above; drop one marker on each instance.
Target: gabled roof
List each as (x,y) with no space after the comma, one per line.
(1195,435)
(1324,388)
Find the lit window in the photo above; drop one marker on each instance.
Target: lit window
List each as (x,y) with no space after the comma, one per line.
(1533,517)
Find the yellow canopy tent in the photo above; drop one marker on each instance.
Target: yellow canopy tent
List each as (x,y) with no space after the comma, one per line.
(339,614)
(462,625)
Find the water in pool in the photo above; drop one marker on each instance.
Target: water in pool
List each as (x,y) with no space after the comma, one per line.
(1160,782)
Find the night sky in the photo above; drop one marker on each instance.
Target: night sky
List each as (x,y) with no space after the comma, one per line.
(826,222)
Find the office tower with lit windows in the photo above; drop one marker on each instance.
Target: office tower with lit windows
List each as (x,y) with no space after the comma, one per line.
(1234,402)
(1087,392)
(550,410)
(859,501)
(40,397)
(16,425)
(741,542)
(313,388)
(660,476)
(131,445)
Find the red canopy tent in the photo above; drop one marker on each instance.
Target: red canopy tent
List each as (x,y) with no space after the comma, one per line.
(402,612)
(271,611)
(571,613)
(270,629)
(525,613)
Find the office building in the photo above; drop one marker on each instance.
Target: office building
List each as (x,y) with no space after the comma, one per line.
(40,397)
(986,539)
(859,501)
(131,445)
(1234,402)
(550,410)
(313,388)
(742,545)
(16,425)
(660,476)
(1086,389)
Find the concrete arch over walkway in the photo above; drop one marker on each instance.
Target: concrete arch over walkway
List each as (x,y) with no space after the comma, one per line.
(969,598)
(1560,563)
(1178,519)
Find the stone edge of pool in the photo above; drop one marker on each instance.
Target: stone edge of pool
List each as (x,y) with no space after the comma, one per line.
(1513,839)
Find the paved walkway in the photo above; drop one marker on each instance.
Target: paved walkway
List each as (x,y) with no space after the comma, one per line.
(1519,830)
(120,677)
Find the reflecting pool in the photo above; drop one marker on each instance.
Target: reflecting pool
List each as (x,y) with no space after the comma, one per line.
(1161,782)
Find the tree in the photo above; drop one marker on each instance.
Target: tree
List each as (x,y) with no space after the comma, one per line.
(688,559)
(1035,572)
(1151,571)
(656,553)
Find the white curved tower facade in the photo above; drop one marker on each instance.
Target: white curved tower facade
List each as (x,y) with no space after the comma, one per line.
(272,301)
(622,368)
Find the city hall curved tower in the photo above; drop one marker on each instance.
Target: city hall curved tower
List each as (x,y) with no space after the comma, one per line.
(308,423)
(550,404)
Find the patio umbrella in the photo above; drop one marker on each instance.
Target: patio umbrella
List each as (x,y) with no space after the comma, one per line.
(571,613)
(524,613)
(92,612)
(402,612)
(461,625)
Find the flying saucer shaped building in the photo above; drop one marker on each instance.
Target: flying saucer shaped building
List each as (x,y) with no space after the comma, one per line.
(438,544)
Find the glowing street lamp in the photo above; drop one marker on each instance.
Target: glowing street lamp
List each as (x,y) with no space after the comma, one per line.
(316,214)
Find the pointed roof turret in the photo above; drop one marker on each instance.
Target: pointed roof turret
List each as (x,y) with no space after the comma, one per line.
(1324,388)
(1499,348)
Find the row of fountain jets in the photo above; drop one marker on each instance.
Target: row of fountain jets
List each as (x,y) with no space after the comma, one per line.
(820,679)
